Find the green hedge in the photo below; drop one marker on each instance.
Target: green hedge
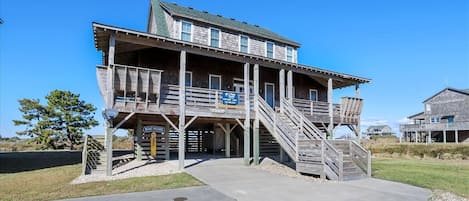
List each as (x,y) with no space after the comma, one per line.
(441,151)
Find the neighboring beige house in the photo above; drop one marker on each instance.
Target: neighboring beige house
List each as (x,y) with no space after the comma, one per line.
(445,119)
(378,130)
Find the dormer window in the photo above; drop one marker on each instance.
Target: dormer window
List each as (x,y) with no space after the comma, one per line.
(214,37)
(270,49)
(244,44)
(289,54)
(186,31)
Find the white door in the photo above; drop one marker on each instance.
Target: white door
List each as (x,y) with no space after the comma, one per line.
(270,94)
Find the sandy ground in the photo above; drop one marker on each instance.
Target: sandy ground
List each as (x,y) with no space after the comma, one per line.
(132,169)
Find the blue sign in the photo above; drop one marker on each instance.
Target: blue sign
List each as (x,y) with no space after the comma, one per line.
(229,98)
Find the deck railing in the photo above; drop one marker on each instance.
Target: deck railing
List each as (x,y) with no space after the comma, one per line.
(133,88)
(312,108)
(457,125)
(203,98)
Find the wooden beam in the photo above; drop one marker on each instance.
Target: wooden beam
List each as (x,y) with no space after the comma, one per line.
(122,122)
(227,140)
(190,122)
(110,103)
(290,86)
(256,120)
(170,122)
(240,123)
(247,119)
(108,150)
(444,136)
(182,108)
(110,72)
(331,111)
(456,136)
(282,86)
(166,141)
(139,133)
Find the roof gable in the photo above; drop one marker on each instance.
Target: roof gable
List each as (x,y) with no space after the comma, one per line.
(206,17)
(464,92)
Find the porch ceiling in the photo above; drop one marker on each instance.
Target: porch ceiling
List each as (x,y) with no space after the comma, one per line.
(130,40)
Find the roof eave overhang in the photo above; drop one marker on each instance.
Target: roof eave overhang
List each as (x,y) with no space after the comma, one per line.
(102,32)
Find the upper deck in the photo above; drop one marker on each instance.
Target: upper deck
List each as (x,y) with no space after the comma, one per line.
(138,89)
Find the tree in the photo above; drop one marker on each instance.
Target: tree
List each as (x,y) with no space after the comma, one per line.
(59,123)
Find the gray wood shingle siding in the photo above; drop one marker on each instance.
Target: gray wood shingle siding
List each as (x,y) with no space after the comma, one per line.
(229,39)
(448,103)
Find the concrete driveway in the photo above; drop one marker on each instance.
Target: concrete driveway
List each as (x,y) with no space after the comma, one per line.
(230,177)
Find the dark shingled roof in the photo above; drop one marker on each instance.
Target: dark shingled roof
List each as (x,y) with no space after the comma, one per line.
(197,15)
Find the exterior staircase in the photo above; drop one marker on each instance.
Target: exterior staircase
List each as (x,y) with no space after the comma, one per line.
(94,155)
(307,145)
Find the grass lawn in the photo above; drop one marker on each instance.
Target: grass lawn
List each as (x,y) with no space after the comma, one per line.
(452,176)
(53,183)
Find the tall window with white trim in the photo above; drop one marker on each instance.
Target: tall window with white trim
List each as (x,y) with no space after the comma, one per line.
(289,54)
(214,37)
(186,31)
(244,44)
(270,49)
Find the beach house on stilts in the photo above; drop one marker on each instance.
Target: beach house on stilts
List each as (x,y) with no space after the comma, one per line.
(209,84)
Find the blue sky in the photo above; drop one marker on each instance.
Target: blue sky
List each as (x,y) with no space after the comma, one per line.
(411,49)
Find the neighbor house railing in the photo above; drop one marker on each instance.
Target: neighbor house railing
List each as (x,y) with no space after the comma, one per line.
(457,125)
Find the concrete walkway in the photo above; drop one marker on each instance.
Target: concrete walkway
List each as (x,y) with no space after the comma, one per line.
(230,177)
(199,193)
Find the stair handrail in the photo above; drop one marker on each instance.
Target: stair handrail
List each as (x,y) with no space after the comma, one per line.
(363,160)
(280,130)
(300,119)
(332,158)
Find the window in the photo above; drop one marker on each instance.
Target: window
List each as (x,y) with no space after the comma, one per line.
(188,79)
(214,37)
(313,95)
(270,49)
(244,44)
(428,108)
(214,82)
(435,120)
(186,31)
(289,54)
(451,119)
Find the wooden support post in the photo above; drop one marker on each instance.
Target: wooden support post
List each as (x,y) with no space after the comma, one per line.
(256,120)
(429,140)
(110,72)
(290,86)
(108,149)
(247,119)
(139,134)
(182,109)
(444,136)
(110,103)
(166,141)
(227,140)
(331,114)
(282,87)
(357,95)
(456,136)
